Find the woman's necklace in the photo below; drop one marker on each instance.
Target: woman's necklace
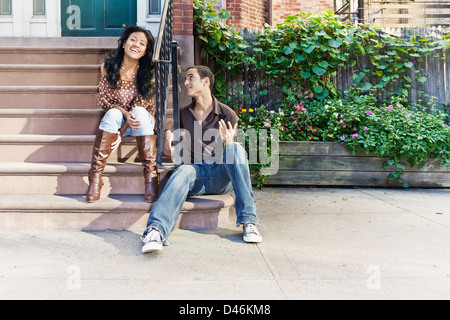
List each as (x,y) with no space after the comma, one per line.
(127,74)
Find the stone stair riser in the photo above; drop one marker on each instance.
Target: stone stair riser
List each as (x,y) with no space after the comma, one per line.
(64,184)
(31,99)
(63,152)
(50,125)
(56,57)
(49,78)
(117,213)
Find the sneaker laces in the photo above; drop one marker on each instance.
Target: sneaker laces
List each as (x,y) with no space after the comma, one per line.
(251,228)
(152,236)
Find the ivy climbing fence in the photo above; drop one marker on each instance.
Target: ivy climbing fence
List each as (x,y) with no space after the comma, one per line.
(246,87)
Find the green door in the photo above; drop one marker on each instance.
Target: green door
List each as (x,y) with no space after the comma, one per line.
(96,18)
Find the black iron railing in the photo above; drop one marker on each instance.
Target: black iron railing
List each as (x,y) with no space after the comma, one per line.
(165,58)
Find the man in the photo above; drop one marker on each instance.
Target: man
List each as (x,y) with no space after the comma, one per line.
(218,165)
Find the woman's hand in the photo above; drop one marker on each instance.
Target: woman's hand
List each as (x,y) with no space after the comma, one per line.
(132,122)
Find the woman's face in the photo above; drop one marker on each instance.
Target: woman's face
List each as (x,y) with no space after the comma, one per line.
(135,45)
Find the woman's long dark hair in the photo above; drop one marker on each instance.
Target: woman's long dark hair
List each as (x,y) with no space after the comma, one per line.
(146,71)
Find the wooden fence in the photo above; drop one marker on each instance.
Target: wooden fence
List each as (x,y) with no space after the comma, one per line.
(247,88)
(405,13)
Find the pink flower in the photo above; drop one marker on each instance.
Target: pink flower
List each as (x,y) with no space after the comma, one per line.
(355,135)
(390,107)
(342,138)
(366,129)
(368,112)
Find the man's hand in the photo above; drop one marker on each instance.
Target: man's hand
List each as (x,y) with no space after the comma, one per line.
(227,131)
(168,143)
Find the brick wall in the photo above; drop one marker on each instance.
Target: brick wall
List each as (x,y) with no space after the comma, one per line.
(247,13)
(183,15)
(254,13)
(283,8)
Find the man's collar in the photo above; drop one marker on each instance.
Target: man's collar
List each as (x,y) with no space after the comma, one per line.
(215,103)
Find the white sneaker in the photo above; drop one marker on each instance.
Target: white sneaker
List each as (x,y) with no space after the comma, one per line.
(152,242)
(251,233)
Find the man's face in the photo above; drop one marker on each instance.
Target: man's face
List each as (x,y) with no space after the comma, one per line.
(195,86)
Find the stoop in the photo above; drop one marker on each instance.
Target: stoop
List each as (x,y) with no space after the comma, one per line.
(48,120)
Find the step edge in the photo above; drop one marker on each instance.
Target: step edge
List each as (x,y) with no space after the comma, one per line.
(67,168)
(77,203)
(93,68)
(73,113)
(33,139)
(48,89)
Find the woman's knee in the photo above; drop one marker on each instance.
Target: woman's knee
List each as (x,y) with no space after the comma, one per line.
(147,122)
(112,121)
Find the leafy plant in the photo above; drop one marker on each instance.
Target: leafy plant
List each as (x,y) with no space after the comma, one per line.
(302,56)
(219,41)
(393,129)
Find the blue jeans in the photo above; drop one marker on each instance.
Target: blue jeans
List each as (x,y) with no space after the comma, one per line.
(113,120)
(205,179)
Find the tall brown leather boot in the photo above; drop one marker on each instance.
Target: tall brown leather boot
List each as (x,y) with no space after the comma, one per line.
(101,152)
(147,154)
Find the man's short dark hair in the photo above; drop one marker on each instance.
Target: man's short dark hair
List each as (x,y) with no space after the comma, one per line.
(205,72)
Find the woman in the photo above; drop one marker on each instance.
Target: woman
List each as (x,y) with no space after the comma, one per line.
(126,93)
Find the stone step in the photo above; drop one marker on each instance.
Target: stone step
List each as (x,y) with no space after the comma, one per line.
(59,148)
(71,212)
(50,121)
(55,50)
(53,55)
(68,178)
(49,75)
(51,97)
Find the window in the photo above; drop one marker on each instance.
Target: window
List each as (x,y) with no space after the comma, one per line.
(154,7)
(5,7)
(39,7)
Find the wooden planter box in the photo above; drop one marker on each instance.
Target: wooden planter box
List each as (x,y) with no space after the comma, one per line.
(332,164)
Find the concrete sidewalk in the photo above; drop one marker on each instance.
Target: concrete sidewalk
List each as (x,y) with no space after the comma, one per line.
(317,244)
